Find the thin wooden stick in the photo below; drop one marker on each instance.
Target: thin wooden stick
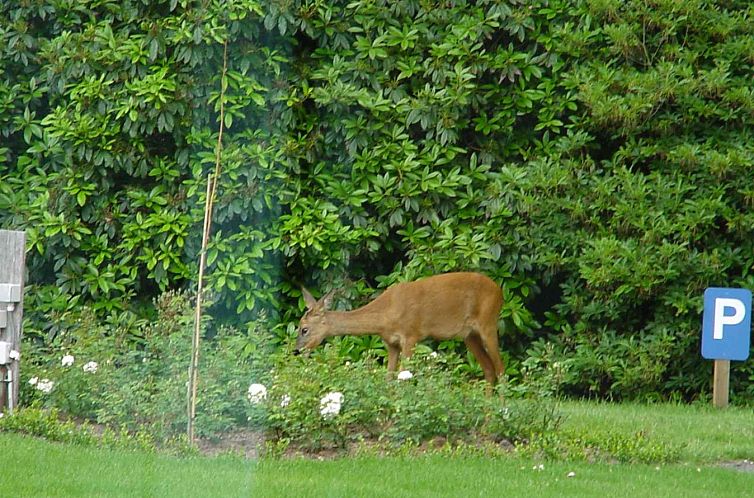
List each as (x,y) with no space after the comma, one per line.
(208,204)
(194,363)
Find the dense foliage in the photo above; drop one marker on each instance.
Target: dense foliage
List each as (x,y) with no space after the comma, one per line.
(647,202)
(246,385)
(109,374)
(591,156)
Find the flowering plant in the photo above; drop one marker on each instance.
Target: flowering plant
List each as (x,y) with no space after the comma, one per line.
(405,375)
(329,406)
(44,385)
(257,393)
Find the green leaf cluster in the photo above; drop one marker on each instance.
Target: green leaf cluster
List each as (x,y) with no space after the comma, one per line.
(592,156)
(644,202)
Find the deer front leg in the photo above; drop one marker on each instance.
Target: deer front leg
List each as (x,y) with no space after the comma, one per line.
(393,357)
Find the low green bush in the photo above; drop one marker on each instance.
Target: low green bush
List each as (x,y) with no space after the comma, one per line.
(52,425)
(425,401)
(132,375)
(612,367)
(46,424)
(600,447)
(131,378)
(135,375)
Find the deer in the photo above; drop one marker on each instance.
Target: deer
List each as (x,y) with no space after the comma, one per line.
(451,305)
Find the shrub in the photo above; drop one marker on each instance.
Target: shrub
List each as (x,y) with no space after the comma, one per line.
(592,156)
(600,447)
(433,403)
(52,425)
(141,373)
(46,424)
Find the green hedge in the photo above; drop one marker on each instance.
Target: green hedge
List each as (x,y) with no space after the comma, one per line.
(591,156)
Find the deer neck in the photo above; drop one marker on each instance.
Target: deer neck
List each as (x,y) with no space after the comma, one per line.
(362,321)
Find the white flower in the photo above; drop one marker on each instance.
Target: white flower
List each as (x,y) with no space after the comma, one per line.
(33,381)
(329,406)
(257,393)
(541,466)
(67,360)
(285,400)
(45,385)
(405,375)
(15,355)
(433,354)
(91,367)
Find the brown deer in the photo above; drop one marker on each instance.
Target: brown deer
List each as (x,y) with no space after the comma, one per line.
(465,305)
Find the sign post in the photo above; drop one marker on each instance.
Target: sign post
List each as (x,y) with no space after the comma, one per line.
(721,383)
(726,335)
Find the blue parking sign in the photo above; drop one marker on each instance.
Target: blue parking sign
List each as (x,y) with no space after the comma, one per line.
(726,324)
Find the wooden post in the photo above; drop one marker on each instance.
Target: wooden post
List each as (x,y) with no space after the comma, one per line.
(12,269)
(721,384)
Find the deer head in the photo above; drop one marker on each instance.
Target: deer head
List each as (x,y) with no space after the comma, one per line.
(313,327)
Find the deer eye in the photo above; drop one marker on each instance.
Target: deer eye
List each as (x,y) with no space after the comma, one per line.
(304,331)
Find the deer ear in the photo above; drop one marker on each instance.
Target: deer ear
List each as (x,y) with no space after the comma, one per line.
(311,303)
(326,301)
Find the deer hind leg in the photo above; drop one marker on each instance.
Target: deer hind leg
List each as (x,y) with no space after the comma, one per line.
(474,344)
(492,347)
(407,347)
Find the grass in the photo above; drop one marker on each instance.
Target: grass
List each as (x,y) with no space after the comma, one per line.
(476,476)
(703,433)
(36,468)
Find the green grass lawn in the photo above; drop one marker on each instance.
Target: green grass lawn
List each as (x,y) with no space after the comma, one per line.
(704,433)
(35,468)
(434,476)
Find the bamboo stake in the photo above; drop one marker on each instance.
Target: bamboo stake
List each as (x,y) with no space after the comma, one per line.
(194,363)
(209,201)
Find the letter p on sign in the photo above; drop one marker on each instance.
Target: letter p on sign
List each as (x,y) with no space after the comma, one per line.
(726,325)
(722,304)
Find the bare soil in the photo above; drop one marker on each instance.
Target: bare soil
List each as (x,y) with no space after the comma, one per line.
(242,443)
(250,444)
(739,465)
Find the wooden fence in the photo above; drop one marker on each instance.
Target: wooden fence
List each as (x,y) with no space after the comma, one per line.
(12,269)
